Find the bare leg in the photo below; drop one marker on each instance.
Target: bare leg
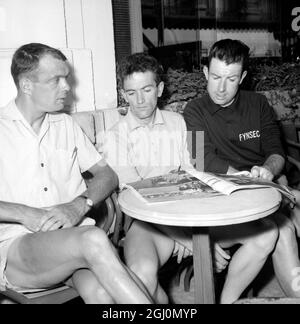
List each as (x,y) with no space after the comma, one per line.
(295,213)
(258,240)
(44,259)
(89,288)
(146,250)
(286,257)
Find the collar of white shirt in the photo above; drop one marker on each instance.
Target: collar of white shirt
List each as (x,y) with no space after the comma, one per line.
(133,123)
(11,112)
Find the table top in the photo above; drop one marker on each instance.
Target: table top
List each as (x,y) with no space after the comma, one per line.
(240,207)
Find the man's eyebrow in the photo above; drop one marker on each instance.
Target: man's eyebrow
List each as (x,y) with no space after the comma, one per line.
(230,76)
(60,76)
(212,73)
(146,86)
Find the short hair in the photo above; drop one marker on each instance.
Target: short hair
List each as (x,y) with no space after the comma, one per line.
(230,51)
(26,59)
(140,62)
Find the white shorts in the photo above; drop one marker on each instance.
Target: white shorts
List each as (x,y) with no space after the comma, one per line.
(19,231)
(4,247)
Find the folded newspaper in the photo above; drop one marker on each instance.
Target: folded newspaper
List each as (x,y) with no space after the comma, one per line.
(188,184)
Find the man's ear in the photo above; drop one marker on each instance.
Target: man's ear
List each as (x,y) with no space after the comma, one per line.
(123,93)
(25,86)
(160,88)
(243,77)
(205,71)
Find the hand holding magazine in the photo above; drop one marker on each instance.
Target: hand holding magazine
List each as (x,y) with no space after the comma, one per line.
(188,184)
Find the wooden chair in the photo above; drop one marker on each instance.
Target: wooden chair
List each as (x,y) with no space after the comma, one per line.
(63,293)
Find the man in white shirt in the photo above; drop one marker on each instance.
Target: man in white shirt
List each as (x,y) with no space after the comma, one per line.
(148,142)
(43,197)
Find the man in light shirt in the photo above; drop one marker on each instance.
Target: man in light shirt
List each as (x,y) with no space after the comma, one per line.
(147,142)
(150,142)
(43,197)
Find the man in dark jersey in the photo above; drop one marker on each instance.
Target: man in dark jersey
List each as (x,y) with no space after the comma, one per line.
(240,127)
(240,134)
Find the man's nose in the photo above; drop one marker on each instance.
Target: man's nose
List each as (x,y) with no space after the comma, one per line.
(140,97)
(65,85)
(222,86)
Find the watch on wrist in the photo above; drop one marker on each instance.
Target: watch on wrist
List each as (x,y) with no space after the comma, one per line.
(89,202)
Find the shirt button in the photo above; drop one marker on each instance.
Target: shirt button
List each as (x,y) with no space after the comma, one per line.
(42,165)
(45,189)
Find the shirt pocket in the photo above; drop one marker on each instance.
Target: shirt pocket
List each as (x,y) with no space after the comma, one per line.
(63,163)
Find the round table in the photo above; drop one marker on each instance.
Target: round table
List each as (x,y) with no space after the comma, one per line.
(201,213)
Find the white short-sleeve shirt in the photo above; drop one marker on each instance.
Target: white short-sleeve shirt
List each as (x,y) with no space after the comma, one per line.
(136,151)
(42,170)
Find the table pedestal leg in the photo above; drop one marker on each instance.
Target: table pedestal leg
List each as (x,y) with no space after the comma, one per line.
(203,269)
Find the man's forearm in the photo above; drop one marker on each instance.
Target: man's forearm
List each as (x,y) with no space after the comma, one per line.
(275,163)
(103,183)
(12,213)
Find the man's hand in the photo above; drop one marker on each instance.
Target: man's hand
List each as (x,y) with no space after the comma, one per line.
(65,216)
(221,258)
(181,252)
(262,172)
(271,168)
(33,218)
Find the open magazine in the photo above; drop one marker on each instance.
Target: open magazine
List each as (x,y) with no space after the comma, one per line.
(188,184)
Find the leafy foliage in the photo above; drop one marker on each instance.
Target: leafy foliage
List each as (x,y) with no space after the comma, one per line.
(183,86)
(276,77)
(264,75)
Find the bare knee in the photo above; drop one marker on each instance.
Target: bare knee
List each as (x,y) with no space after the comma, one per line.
(266,240)
(95,244)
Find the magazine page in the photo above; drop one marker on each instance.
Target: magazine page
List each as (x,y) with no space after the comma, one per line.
(242,180)
(227,184)
(218,183)
(189,184)
(171,187)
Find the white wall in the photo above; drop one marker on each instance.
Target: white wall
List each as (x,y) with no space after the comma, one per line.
(83,29)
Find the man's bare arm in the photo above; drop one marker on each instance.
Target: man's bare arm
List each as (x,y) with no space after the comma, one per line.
(100,186)
(275,163)
(271,168)
(103,182)
(31,218)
